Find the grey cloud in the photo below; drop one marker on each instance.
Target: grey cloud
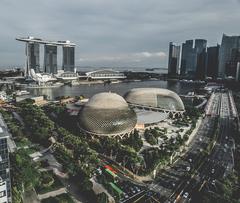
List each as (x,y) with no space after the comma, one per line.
(112,29)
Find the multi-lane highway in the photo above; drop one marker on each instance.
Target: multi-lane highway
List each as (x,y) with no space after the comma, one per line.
(209,157)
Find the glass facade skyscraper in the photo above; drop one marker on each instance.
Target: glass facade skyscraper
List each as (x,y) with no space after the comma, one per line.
(212,62)
(32,53)
(173,60)
(50,59)
(200,59)
(193,60)
(187,60)
(231,65)
(68,58)
(200,45)
(225,53)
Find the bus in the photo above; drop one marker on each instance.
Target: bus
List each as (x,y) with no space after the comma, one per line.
(116,190)
(110,168)
(111,176)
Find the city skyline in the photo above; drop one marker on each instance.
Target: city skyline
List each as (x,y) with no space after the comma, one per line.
(111,34)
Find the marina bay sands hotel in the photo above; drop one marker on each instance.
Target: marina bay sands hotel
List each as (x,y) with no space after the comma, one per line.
(50,55)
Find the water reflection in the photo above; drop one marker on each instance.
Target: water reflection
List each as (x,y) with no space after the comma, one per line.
(120,88)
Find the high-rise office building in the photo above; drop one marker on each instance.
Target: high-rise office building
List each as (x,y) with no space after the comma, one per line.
(187,59)
(32,53)
(50,58)
(5,182)
(68,58)
(173,60)
(228,43)
(238,72)
(212,62)
(193,60)
(199,70)
(200,45)
(231,65)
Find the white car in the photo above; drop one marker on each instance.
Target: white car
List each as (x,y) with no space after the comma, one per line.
(186,194)
(213,182)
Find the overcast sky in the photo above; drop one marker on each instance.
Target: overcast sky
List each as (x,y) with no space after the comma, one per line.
(115,33)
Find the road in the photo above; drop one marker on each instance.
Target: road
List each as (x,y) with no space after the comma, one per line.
(209,157)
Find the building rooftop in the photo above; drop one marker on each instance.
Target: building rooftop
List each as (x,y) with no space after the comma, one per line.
(48,42)
(150,117)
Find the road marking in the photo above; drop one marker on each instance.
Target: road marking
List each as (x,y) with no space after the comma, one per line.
(204,182)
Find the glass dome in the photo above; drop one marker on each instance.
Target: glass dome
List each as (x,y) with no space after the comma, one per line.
(155,97)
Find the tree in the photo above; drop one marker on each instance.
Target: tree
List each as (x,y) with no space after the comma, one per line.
(102,198)
(134,140)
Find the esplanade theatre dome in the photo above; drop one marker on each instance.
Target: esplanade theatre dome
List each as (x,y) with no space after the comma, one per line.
(107,114)
(156,98)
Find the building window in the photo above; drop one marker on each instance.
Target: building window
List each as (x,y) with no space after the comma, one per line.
(2,194)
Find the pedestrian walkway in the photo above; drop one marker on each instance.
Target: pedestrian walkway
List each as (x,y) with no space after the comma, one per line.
(52,193)
(30,197)
(97,188)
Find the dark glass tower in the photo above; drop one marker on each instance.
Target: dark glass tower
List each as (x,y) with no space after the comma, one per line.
(50,59)
(228,43)
(200,45)
(231,65)
(187,60)
(199,70)
(212,61)
(68,58)
(173,60)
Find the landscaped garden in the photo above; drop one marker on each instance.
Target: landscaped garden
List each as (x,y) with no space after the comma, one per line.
(47,182)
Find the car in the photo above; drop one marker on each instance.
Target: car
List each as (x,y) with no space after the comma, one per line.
(133,190)
(136,188)
(126,196)
(186,194)
(213,182)
(149,193)
(188,168)
(213,170)
(190,160)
